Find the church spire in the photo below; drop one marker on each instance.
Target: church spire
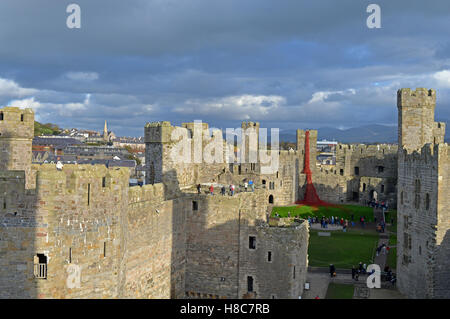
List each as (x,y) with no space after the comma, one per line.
(105,131)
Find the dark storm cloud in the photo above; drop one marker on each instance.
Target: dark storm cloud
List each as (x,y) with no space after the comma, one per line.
(284,63)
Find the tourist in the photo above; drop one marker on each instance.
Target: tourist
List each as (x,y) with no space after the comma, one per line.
(353,272)
(252,186)
(332,271)
(245,186)
(223,190)
(364,268)
(232,189)
(199,188)
(360,267)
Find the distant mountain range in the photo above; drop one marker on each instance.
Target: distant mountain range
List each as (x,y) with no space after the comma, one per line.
(363,134)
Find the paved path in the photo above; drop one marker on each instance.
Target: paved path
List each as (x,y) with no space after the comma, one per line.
(381,258)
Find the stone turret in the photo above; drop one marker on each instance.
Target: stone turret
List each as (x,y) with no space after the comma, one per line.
(416,119)
(16,136)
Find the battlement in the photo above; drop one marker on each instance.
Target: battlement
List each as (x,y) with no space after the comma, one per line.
(72,176)
(418,98)
(427,154)
(151,192)
(369,149)
(16,123)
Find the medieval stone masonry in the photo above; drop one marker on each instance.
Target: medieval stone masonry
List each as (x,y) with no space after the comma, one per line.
(82,232)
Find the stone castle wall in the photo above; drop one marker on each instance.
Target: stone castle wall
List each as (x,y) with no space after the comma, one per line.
(100,238)
(423,250)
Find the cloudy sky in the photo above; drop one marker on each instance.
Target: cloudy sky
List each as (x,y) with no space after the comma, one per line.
(286,63)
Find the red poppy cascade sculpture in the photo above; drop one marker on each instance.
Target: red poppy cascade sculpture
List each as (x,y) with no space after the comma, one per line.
(311,198)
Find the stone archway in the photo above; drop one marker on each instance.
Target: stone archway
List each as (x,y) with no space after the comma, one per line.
(271,199)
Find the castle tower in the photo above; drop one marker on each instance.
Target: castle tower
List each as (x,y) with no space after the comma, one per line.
(250,144)
(16,136)
(416,126)
(423,227)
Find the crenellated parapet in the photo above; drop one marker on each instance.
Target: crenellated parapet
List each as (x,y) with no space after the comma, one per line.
(151,192)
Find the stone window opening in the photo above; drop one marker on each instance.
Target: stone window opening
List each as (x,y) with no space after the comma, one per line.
(380,169)
(401,198)
(364,187)
(21,117)
(427,201)
(104,249)
(252,242)
(382,188)
(194,205)
(4,204)
(417,185)
(103,181)
(269,256)
(1,116)
(356,170)
(249,283)
(341,172)
(293,274)
(417,201)
(70,255)
(40,266)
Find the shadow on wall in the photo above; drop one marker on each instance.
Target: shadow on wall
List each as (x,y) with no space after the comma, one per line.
(22,267)
(442,269)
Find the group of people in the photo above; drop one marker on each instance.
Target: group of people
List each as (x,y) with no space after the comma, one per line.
(223,190)
(383,249)
(377,204)
(390,276)
(361,270)
(231,188)
(333,220)
(381,226)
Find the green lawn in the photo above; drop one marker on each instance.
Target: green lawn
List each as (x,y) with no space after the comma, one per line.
(344,250)
(392,258)
(344,211)
(339,291)
(392,239)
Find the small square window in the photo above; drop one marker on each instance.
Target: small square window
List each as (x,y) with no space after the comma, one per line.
(252,242)
(194,205)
